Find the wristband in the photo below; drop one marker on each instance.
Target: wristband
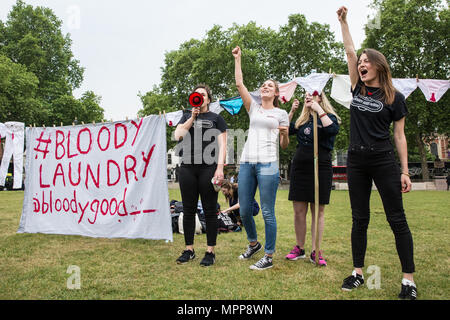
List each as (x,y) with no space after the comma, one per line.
(322,115)
(406,174)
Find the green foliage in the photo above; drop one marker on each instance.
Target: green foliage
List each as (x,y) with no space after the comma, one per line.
(33,41)
(296,49)
(18,89)
(413,35)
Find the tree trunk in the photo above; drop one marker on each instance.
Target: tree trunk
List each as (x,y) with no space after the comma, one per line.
(423,157)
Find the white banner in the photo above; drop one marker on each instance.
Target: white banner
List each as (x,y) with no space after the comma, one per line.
(98,180)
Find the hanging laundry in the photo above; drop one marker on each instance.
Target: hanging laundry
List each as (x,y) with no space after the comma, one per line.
(315,82)
(256,95)
(433,90)
(13,148)
(215,107)
(172,118)
(287,90)
(341,90)
(2,130)
(232,105)
(405,86)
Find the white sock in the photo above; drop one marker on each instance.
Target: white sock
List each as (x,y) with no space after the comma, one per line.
(407,282)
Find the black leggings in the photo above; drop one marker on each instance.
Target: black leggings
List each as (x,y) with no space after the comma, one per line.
(195,180)
(363,165)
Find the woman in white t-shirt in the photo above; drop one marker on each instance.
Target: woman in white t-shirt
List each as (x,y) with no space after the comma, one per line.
(259,163)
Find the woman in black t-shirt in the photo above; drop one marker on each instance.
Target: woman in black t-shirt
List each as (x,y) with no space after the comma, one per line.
(202,146)
(376,104)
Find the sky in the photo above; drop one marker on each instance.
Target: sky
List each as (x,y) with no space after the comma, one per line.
(121,44)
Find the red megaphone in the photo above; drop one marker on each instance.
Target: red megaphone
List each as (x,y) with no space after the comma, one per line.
(196,100)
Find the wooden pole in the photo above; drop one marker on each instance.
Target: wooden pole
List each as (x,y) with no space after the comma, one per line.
(316,182)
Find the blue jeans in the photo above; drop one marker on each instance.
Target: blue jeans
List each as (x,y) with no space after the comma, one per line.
(266,177)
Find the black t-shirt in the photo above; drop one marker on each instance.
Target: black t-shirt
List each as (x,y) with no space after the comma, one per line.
(199,145)
(305,133)
(371,118)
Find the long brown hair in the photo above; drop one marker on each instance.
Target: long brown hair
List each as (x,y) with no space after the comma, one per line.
(276,103)
(384,74)
(232,187)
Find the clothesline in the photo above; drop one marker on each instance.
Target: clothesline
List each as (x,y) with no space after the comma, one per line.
(433,91)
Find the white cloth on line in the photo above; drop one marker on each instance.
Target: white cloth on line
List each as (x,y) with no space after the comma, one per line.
(433,90)
(13,148)
(286,91)
(341,90)
(314,82)
(256,96)
(172,118)
(215,107)
(2,130)
(405,86)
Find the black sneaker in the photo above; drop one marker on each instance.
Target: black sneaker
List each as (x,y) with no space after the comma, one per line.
(264,263)
(186,256)
(251,250)
(352,282)
(208,260)
(409,291)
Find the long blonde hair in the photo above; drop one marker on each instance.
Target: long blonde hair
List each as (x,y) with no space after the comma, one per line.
(326,106)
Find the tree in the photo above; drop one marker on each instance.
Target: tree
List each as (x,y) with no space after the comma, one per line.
(302,48)
(90,107)
(32,37)
(18,89)
(154,102)
(413,35)
(296,49)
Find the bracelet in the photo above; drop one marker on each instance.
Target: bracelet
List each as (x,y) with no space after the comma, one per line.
(322,115)
(406,174)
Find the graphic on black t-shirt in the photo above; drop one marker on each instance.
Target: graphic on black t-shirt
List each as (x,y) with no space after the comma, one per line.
(371,118)
(200,144)
(367,104)
(205,124)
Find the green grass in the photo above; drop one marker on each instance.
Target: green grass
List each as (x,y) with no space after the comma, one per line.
(33,266)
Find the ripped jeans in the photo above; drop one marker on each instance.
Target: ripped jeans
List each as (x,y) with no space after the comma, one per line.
(266,177)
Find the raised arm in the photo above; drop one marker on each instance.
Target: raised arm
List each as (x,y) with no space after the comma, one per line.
(243,92)
(352,58)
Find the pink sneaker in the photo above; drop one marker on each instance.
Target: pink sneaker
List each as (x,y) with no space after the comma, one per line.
(322,261)
(296,253)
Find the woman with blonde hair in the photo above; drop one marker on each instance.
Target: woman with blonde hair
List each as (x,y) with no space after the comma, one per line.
(301,189)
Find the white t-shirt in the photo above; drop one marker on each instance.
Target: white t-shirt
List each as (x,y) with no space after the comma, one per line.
(262,141)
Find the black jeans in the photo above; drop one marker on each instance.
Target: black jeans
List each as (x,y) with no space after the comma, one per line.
(195,180)
(365,164)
